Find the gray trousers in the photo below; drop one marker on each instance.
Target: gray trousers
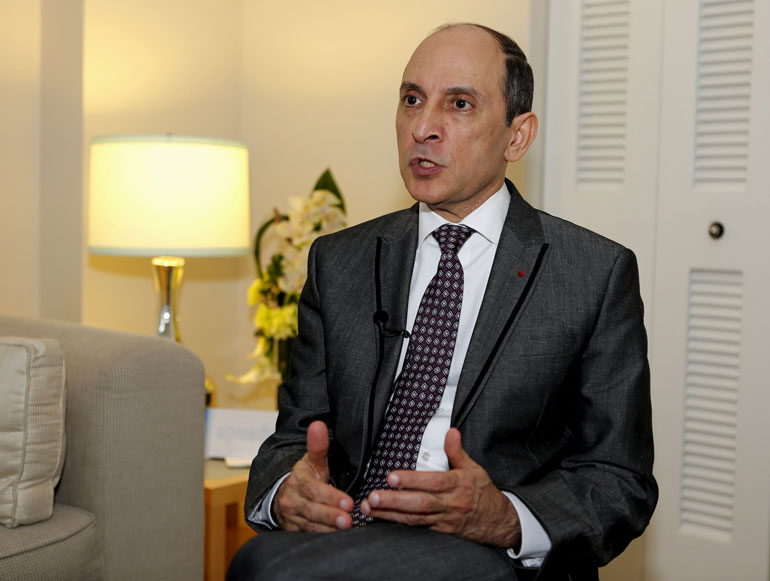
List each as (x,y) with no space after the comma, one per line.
(379,551)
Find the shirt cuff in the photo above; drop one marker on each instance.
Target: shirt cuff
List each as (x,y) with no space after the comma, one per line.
(263,515)
(535,543)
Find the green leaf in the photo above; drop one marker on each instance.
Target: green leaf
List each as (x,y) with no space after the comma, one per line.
(258,240)
(326,182)
(275,268)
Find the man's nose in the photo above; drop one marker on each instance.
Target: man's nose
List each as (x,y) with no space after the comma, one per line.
(428,126)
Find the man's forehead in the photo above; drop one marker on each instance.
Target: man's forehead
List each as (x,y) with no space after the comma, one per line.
(461,48)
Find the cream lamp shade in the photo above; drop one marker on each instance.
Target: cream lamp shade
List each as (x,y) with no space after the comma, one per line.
(168,197)
(154,195)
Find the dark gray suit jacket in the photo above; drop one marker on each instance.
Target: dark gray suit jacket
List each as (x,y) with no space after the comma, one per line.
(553,400)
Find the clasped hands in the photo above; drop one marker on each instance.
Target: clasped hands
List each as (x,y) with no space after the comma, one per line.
(462,501)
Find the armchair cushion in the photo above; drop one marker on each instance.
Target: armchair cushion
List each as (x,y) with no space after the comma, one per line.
(66,543)
(32,379)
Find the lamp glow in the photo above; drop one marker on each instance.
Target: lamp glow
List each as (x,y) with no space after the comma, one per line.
(168,197)
(158,194)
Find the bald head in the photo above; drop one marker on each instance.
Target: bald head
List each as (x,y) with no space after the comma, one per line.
(516,79)
(454,136)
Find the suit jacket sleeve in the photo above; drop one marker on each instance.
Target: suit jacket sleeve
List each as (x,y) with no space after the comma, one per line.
(302,399)
(600,493)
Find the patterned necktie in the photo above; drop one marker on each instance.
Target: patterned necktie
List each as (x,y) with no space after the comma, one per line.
(425,371)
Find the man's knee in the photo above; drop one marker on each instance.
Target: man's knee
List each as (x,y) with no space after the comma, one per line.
(280,556)
(249,561)
(374,552)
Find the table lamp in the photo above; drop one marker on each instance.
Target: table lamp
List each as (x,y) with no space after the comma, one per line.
(168,197)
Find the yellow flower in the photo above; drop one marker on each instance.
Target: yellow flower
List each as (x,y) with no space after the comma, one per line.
(276,322)
(263,318)
(308,217)
(263,370)
(255,290)
(261,349)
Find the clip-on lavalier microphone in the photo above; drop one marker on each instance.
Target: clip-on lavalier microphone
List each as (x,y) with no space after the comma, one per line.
(380,318)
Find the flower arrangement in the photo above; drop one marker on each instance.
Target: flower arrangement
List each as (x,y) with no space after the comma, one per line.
(276,289)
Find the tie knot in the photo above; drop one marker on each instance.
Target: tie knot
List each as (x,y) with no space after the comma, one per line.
(451,237)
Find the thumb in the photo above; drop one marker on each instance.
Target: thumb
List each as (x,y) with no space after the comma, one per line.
(453,446)
(318,448)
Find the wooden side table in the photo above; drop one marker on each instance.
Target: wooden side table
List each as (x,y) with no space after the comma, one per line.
(226,528)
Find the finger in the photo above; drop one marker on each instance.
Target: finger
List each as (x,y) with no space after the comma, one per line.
(296,507)
(405,501)
(322,517)
(407,518)
(453,446)
(434,521)
(318,446)
(311,489)
(298,523)
(427,481)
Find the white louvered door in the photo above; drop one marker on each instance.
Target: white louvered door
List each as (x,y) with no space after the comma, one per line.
(710,358)
(600,143)
(657,126)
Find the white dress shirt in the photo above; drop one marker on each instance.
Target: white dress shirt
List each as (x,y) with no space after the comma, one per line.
(476,257)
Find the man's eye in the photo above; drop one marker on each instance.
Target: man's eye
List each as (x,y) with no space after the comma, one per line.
(462,104)
(411,100)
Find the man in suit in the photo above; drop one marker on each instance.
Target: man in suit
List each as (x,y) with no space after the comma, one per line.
(534,457)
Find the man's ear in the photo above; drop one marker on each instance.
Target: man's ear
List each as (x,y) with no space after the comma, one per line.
(524,133)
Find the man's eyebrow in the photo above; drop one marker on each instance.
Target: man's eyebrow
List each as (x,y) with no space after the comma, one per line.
(409,86)
(462,91)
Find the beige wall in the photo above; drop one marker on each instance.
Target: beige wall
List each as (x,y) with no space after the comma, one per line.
(61,160)
(320,88)
(40,158)
(307,85)
(166,67)
(19,157)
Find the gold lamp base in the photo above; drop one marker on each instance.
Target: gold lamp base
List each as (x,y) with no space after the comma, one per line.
(168,279)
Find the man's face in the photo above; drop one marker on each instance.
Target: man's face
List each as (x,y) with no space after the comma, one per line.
(450,123)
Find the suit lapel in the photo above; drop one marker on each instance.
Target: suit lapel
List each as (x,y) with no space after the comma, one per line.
(397,254)
(516,263)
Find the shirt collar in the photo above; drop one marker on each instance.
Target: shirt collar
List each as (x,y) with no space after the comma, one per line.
(487,220)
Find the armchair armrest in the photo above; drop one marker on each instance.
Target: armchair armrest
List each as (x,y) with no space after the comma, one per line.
(134,455)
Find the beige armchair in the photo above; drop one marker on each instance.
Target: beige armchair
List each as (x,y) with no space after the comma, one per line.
(129,504)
